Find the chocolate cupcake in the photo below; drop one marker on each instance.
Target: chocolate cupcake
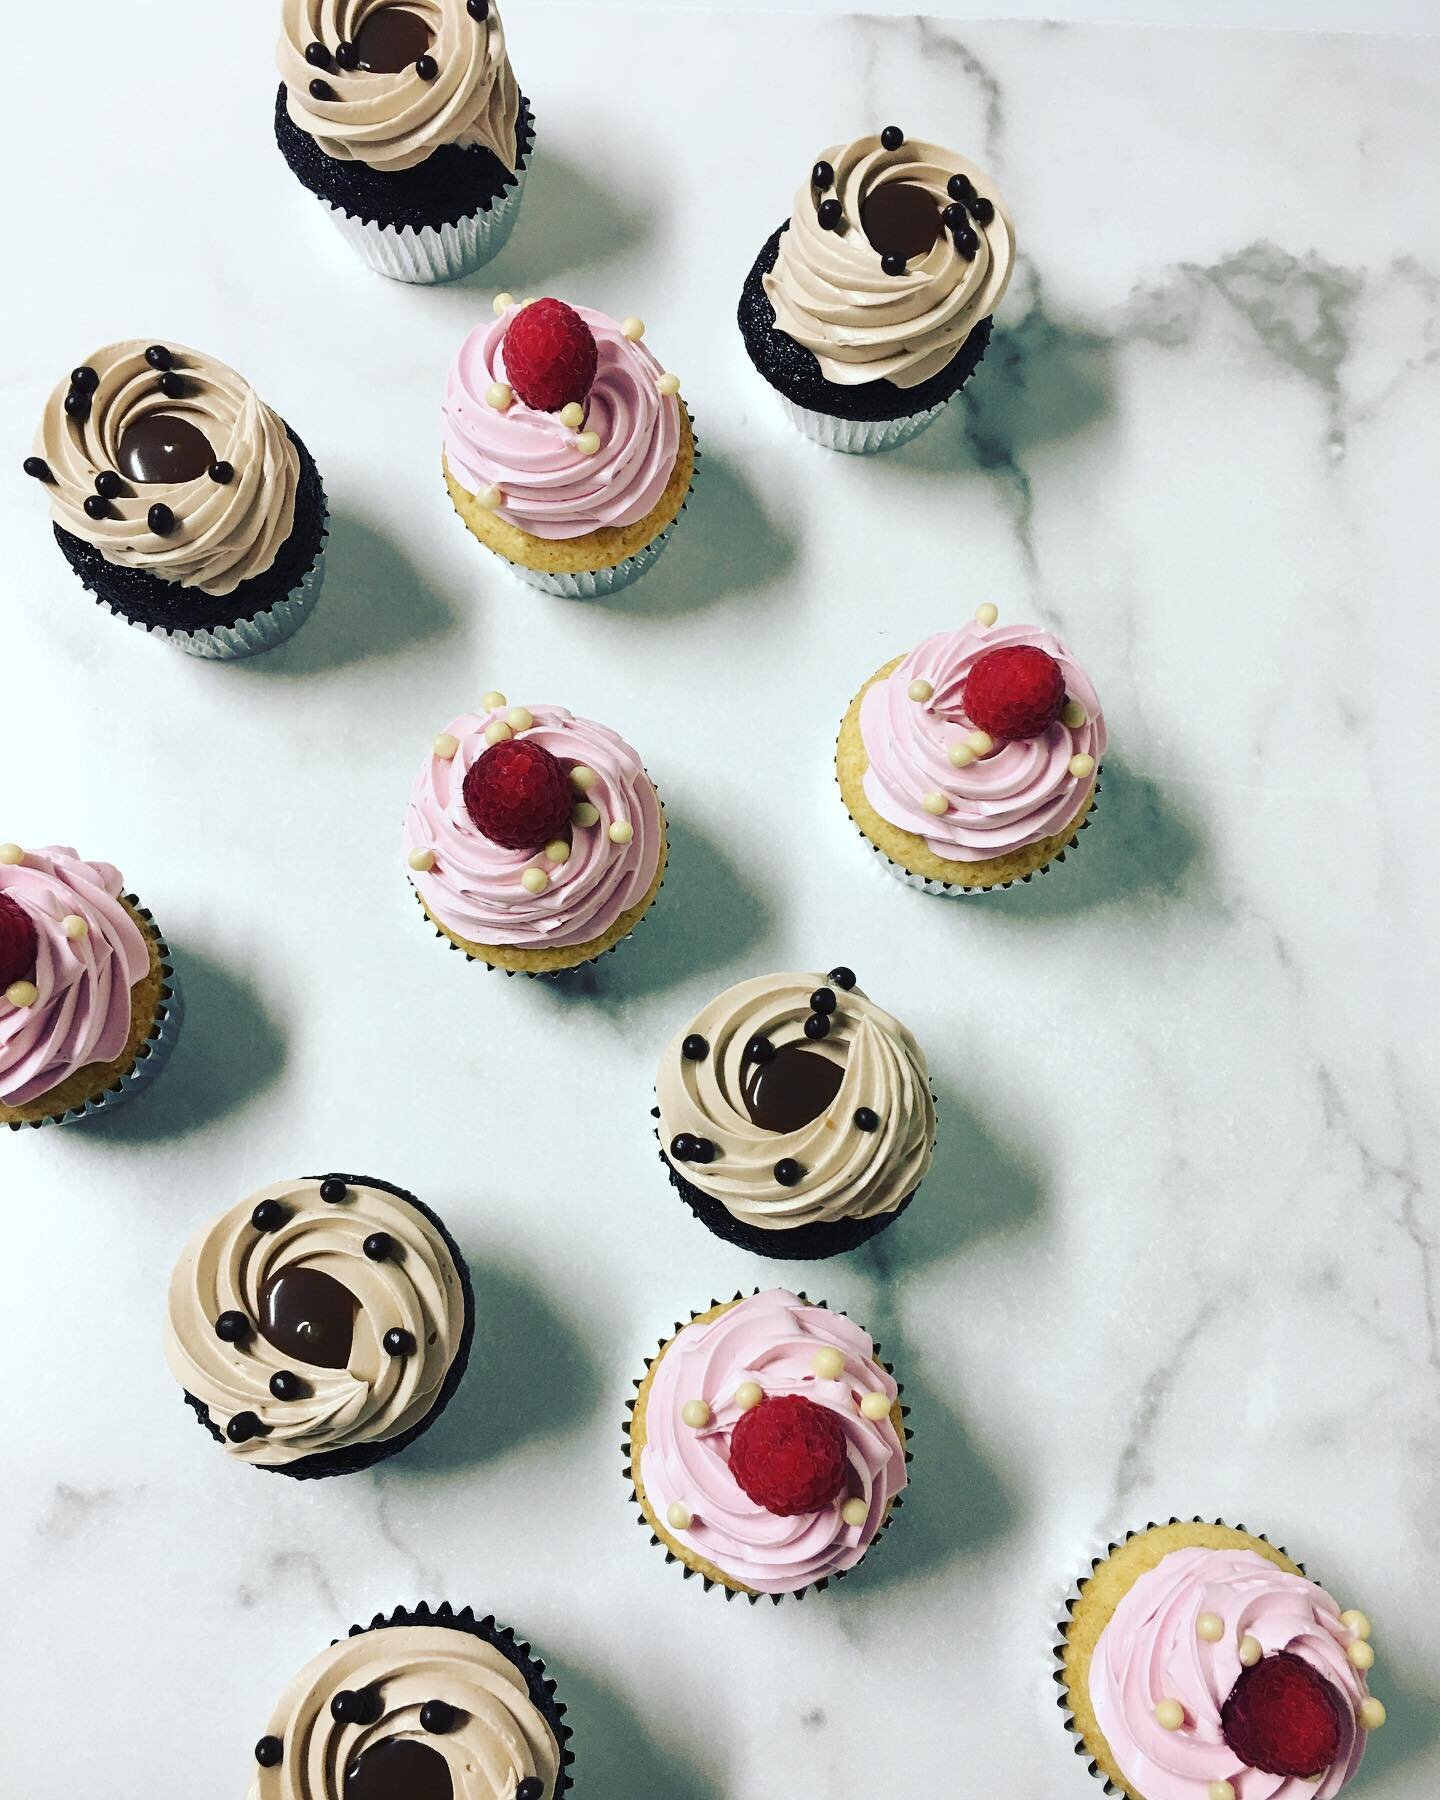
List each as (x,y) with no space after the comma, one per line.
(321,1325)
(795,1116)
(419,1705)
(183,503)
(871,306)
(404,118)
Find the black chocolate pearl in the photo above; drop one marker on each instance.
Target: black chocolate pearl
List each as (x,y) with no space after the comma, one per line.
(984,210)
(822,175)
(437,1716)
(865,1119)
(960,187)
(170,384)
(285,1384)
(426,68)
(759,1050)
(37,468)
(379,1246)
(828,214)
(694,1049)
(107,484)
(842,977)
(955,217)
(268,1752)
(398,1342)
(84,378)
(683,1146)
(77,405)
(817,1026)
(704,1150)
(346,54)
(892,137)
(269,1215)
(822,1001)
(966,244)
(788,1171)
(893,263)
(478,9)
(351,1708)
(222,474)
(243,1427)
(231,1326)
(160,519)
(531,1788)
(333,1191)
(321,90)
(96,508)
(317,55)
(158,357)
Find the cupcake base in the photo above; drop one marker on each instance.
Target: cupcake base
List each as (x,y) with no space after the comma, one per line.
(433,253)
(349,1459)
(801,1243)
(157,1011)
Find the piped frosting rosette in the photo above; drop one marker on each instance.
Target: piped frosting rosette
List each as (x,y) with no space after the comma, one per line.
(420,1705)
(1194,1676)
(344,1290)
(73,952)
(392,117)
(868,320)
(767,1356)
(168,462)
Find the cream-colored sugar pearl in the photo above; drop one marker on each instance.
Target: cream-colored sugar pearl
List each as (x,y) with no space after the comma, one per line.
(1354,1620)
(987,614)
(422,861)
(572,415)
(1073,714)
(632,328)
(669,385)
(11,854)
(588,443)
(585,814)
(557,851)
(582,777)
(981,742)
(749,1394)
(678,1517)
(1220,1790)
(501,302)
(920,690)
(1250,1651)
(1361,1654)
(1082,764)
(534,881)
(498,732)
(621,832)
(493,701)
(1211,1627)
(74,927)
(935,803)
(22,993)
(500,395)
(519,718)
(876,1406)
(960,756)
(855,1512)
(1372,1714)
(445,745)
(1169,1715)
(828,1363)
(489,498)
(695,1413)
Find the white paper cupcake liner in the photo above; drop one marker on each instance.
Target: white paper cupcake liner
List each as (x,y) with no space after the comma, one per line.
(435,252)
(858,437)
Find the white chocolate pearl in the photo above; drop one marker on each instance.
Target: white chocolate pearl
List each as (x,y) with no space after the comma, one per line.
(498,732)
(500,302)
(572,415)
(1355,1621)
(621,831)
(1372,1714)
(489,498)
(960,755)
(445,745)
(500,395)
(74,927)
(669,385)
(11,854)
(557,850)
(749,1394)
(920,690)
(493,701)
(981,742)
(987,614)
(1211,1627)
(1073,714)
(695,1413)
(534,881)
(828,1363)
(1361,1654)
(1250,1651)
(1220,1790)
(588,442)
(422,861)
(582,777)
(855,1512)
(585,813)
(1169,1715)
(876,1406)
(22,993)
(1082,764)
(529,300)
(678,1516)
(632,328)
(519,718)
(935,803)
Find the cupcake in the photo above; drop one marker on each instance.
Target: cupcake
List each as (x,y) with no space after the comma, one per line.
(767,1445)
(535,840)
(974,761)
(795,1117)
(421,1705)
(179,498)
(568,451)
(406,122)
(871,306)
(1198,1662)
(89,1005)
(321,1325)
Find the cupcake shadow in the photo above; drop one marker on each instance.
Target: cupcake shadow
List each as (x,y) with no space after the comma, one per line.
(1412,1726)
(568,222)
(615,1752)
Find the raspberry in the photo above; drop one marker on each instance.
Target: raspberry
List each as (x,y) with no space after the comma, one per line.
(18,942)
(1017,691)
(518,795)
(550,355)
(1282,1717)
(788,1455)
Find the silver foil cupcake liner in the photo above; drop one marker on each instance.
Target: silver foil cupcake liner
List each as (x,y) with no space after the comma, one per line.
(248,637)
(858,437)
(434,253)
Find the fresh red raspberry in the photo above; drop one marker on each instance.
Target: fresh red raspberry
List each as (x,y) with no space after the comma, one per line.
(788,1455)
(19,945)
(550,355)
(1017,691)
(1282,1716)
(518,795)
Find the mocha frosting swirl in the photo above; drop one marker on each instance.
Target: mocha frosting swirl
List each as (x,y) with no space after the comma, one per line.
(847,1173)
(500,1737)
(831,295)
(394,121)
(225,532)
(375,1396)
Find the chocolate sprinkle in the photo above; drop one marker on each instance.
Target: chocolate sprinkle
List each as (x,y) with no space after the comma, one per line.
(984,210)
(268,1752)
(842,977)
(967,244)
(321,90)
(892,137)
(231,1327)
(77,405)
(96,508)
(478,9)
(759,1050)
(682,1146)
(84,378)
(438,1717)
(243,1427)
(108,485)
(37,468)
(892,263)
(332,1189)
(694,1049)
(426,68)
(346,55)
(170,385)
(379,1246)
(817,1026)
(960,187)
(269,1215)
(828,214)
(530,1789)
(285,1384)
(317,55)
(788,1171)
(398,1342)
(160,519)
(158,357)
(822,1001)
(222,473)
(822,175)
(866,1119)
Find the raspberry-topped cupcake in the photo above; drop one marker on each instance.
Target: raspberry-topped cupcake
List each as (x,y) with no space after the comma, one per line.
(871,306)
(767,1445)
(535,840)
(568,450)
(973,761)
(1198,1662)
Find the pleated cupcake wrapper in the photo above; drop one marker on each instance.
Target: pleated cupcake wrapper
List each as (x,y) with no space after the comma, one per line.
(816,1587)
(859,437)
(1104,1548)
(433,253)
(154,1053)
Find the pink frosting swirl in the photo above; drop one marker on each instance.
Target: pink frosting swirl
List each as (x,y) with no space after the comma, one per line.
(770,1339)
(474,887)
(82,1011)
(549,487)
(1020,793)
(1151,1650)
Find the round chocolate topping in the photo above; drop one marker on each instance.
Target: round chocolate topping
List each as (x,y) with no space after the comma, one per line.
(389,40)
(38,468)
(231,1326)
(399,1769)
(966,244)
(96,507)
(788,1172)
(333,1190)
(960,187)
(268,1752)
(379,1246)
(796,1087)
(759,1050)
(163,447)
(683,1146)
(955,217)
(268,1215)
(892,137)
(866,1119)
(317,55)
(438,1717)
(694,1049)
(222,473)
(84,378)
(321,90)
(346,54)
(478,9)
(829,214)
(398,1341)
(108,485)
(352,1706)
(822,175)
(243,1427)
(77,405)
(170,384)
(817,1025)
(704,1150)
(285,1384)
(531,1788)
(822,1000)
(984,210)
(900,219)
(158,357)
(308,1315)
(160,519)
(426,68)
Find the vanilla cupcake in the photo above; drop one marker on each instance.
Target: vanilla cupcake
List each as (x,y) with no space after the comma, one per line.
(403,117)
(1198,1662)
(184,504)
(567,451)
(89,1004)
(795,1116)
(974,761)
(321,1325)
(420,1704)
(767,1446)
(871,307)
(535,841)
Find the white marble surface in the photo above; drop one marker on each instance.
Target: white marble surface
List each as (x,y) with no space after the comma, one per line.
(1178,1253)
